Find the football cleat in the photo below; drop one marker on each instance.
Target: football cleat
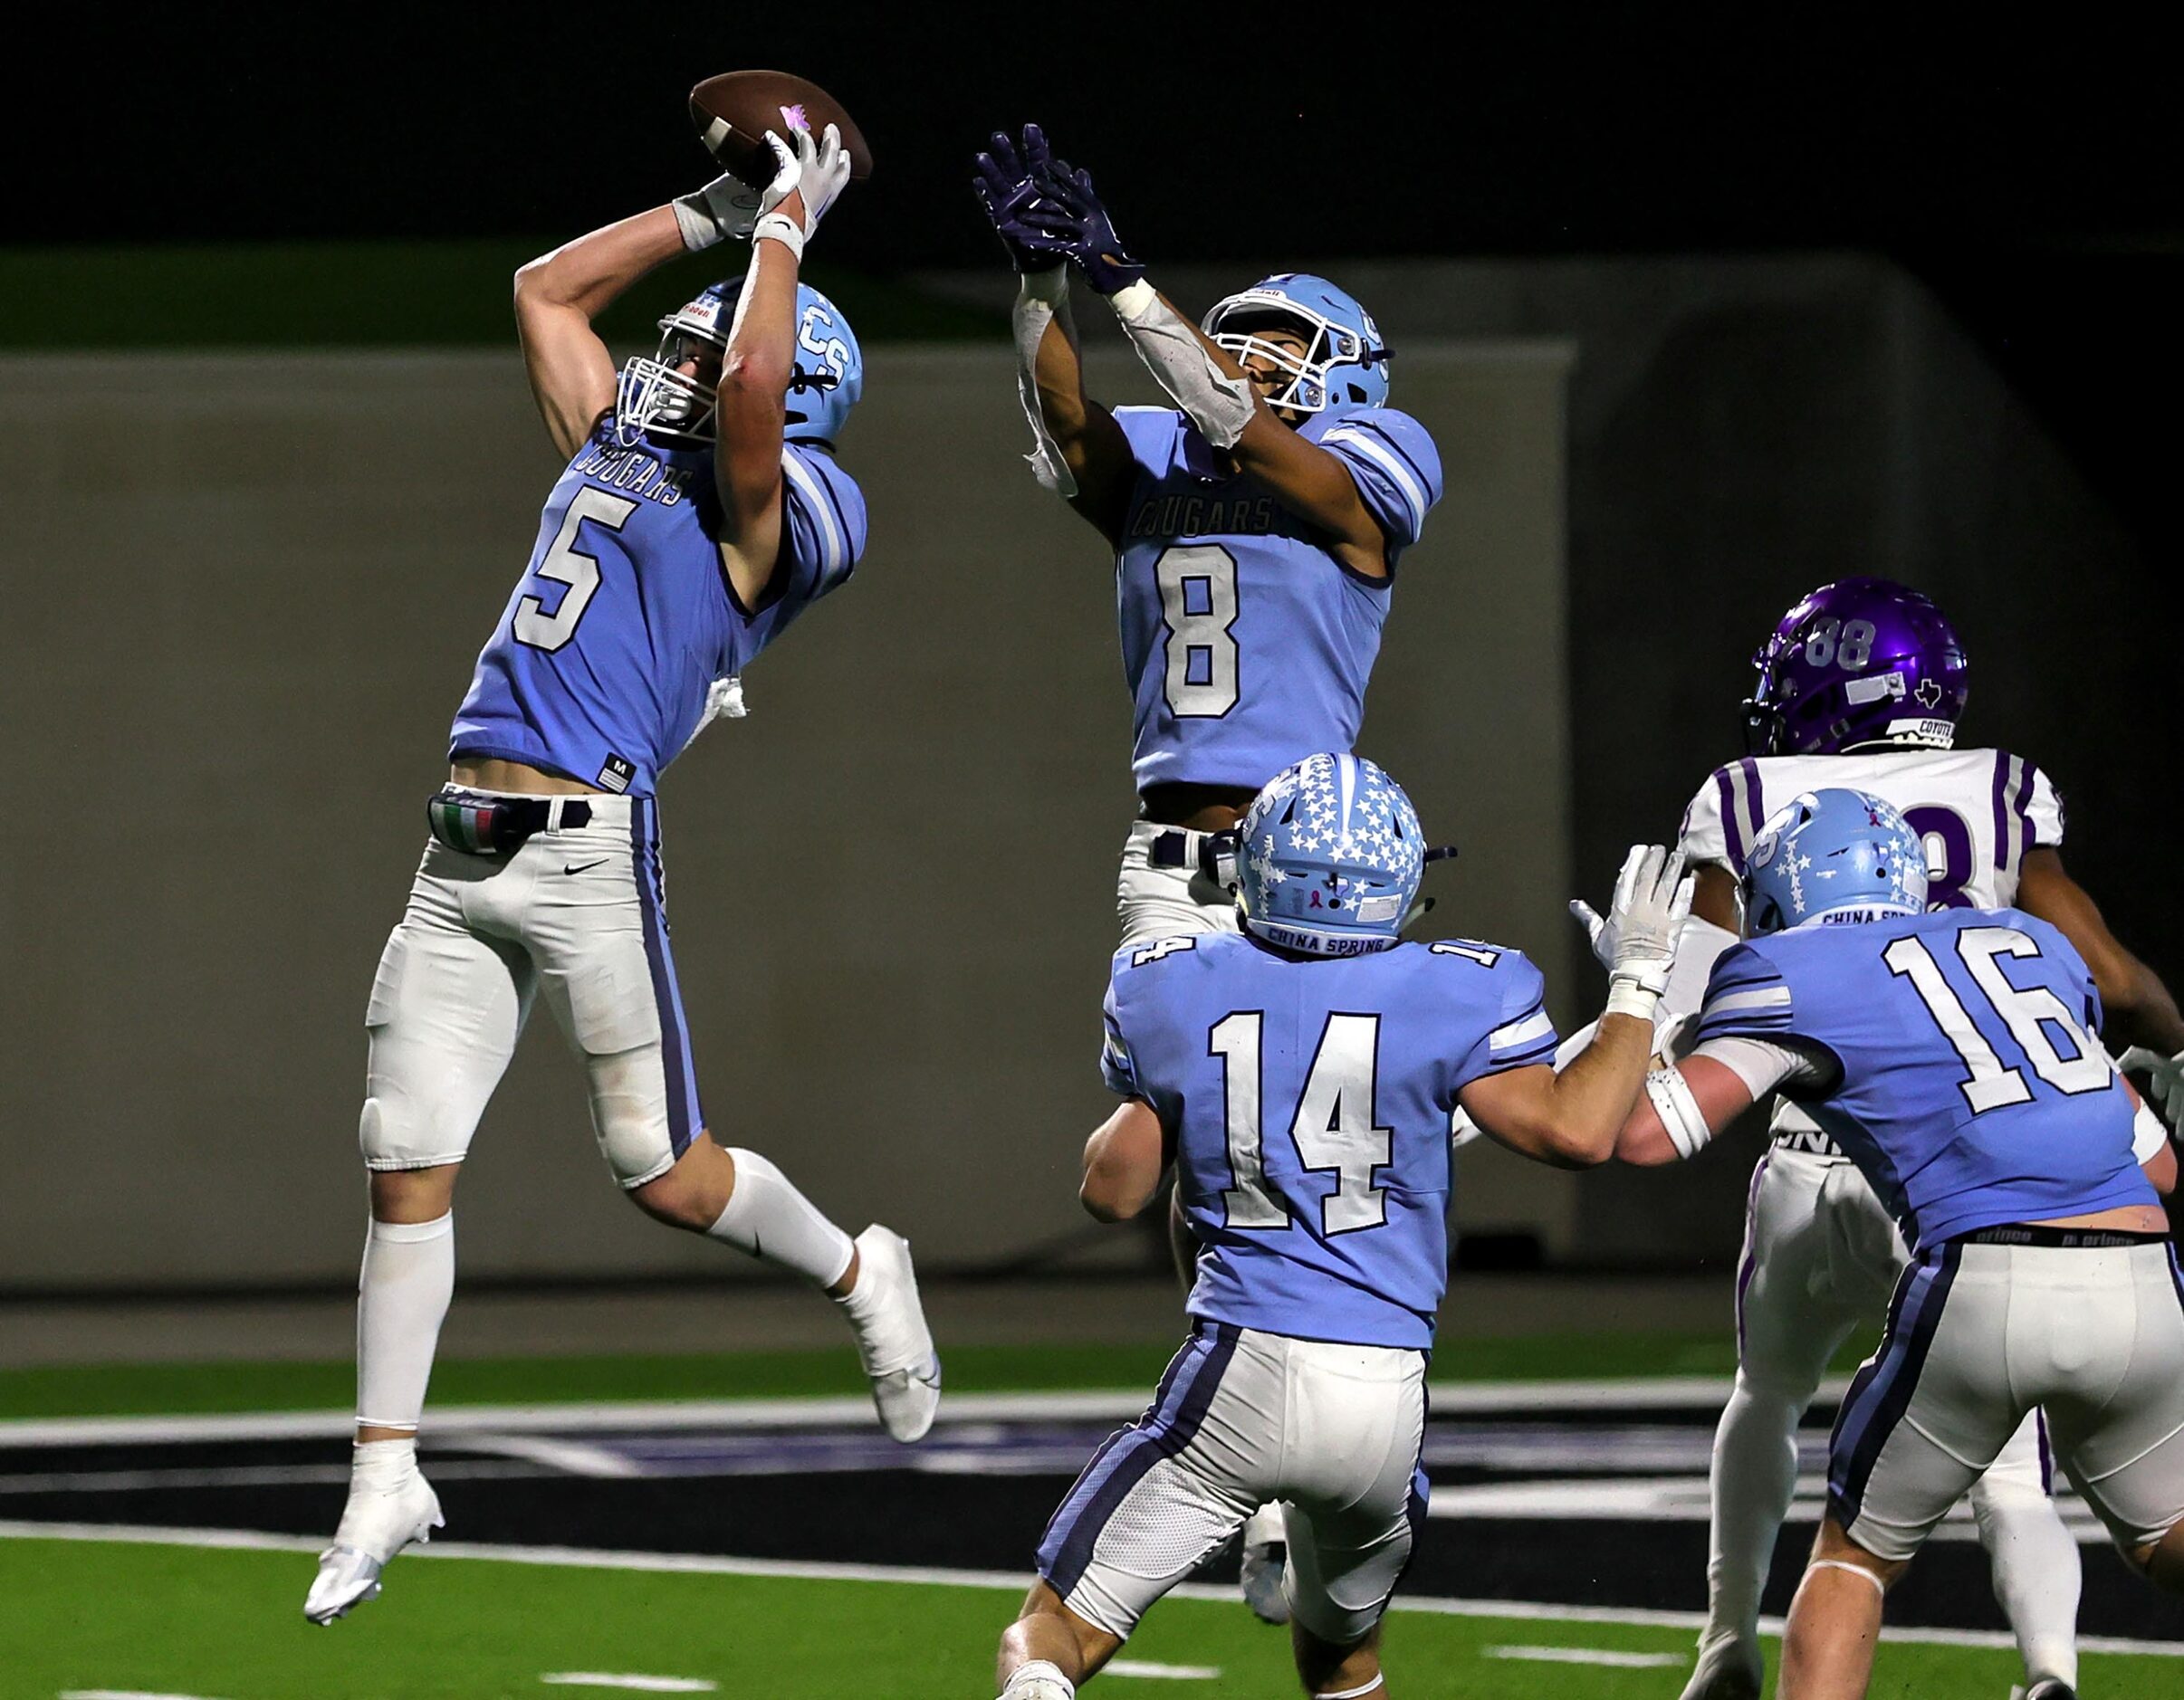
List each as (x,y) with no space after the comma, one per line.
(1266,1557)
(892,1339)
(1727,1669)
(388,1510)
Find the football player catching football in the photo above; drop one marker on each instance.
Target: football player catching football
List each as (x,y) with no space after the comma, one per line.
(1256,523)
(1948,1054)
(1300,1076)
(701,514)
(1861,684)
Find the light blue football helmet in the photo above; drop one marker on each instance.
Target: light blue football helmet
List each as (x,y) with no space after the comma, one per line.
(1345,363)
(652,397)
(1329,857)
(1833,855)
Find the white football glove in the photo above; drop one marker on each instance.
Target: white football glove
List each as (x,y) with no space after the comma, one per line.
(726,206)
(818,168)
(2165,1082)
(1636,941)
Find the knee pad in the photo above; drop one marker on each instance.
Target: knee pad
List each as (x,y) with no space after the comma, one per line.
(395,1132)
(629,1112)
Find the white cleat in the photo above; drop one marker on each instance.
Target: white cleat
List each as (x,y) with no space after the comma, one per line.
(892,1338)
(388,1510)
(1266,1556)
(1728,1669)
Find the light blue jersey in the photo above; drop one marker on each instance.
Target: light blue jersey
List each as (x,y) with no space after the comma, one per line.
(1245,646)
(1308,1104)
(1960,1072)
(599,668)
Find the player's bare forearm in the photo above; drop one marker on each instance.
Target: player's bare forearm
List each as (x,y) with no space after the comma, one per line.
(557,297)
(2139,1009)
(1125,1160)
(1092,444)
(1721,1095)
(1571,1119)
(1714,898)
(750,410)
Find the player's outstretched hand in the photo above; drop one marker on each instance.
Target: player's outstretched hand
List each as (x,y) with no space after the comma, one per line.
(1636,941)
(816,170)
(1073,222)
(1007,186)
(2165,1081)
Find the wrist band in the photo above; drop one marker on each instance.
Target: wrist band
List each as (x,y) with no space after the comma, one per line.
(699,230)
(1628,997)
(783,229)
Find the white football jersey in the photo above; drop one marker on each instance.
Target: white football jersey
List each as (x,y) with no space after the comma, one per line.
(1978,810)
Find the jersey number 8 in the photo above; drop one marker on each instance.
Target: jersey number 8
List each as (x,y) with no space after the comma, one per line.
(1198,599)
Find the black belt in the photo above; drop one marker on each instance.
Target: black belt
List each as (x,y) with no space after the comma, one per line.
(481,826)
(2071,1239)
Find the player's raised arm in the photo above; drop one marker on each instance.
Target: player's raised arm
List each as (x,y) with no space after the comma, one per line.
(1573,1119)
(557,297)
(1125,1160)
(1225,400)
(750,401)
(1077,450)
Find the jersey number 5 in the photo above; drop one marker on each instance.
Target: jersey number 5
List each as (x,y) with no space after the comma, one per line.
(569,565)
(2025,1011)
(1198,599)
(1334,1127)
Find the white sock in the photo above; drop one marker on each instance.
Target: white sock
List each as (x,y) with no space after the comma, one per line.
(1754,1474)
(770,1219)
(2037,1577)
(401,1299)
(1026,1677)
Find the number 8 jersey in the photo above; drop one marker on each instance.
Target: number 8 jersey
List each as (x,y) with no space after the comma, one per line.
(603,661)
(1246,646)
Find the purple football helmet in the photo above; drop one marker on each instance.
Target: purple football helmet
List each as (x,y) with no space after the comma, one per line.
(1861,660)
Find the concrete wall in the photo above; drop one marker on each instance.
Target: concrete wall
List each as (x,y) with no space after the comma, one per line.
(243,596)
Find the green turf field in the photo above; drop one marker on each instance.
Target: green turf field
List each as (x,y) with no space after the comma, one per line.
(158,1388)
(87,1617)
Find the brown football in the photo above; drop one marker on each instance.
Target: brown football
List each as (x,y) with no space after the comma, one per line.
(733,111)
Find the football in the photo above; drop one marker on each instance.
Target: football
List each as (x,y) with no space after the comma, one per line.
(735,110)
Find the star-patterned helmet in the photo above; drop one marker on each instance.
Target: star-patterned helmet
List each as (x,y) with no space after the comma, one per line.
(1329,857)
(1833,855)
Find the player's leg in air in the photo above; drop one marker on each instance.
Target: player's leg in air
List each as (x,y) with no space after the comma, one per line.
(1261,511)
(544,876)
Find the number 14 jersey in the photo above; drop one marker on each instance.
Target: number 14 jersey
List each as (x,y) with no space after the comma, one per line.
(1245,646)
(1307,1104)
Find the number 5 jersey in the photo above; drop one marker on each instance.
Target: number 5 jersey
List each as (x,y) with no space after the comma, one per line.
(602,667)
(1245,646)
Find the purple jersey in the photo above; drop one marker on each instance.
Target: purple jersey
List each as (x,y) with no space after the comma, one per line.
(1245,646)
(1308,1104)
(599,668)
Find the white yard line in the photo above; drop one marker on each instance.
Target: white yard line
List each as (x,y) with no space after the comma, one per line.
(702,1564)
(1168,1673)
(1587,1656)
(121,1694)
(645,1684)
(1457,1398)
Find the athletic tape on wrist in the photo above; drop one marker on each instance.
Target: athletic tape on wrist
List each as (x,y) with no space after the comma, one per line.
(1041,297)
(1679,1110)
(699,230)
(1628,997)
(1221,406)
(783,229)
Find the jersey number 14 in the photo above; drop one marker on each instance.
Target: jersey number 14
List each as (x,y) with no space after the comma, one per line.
(1334,1127)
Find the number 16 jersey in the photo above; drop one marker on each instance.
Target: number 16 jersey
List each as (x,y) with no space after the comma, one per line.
(1246,646)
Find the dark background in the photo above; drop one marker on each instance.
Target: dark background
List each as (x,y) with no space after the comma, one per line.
(1849,294)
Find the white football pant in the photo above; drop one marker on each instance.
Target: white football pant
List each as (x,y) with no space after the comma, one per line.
(1158,902)
(1241,1418)
(1821,1258)
(578,914)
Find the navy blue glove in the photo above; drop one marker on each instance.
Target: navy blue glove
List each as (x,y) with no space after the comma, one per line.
(1069,218)
(1009,186)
